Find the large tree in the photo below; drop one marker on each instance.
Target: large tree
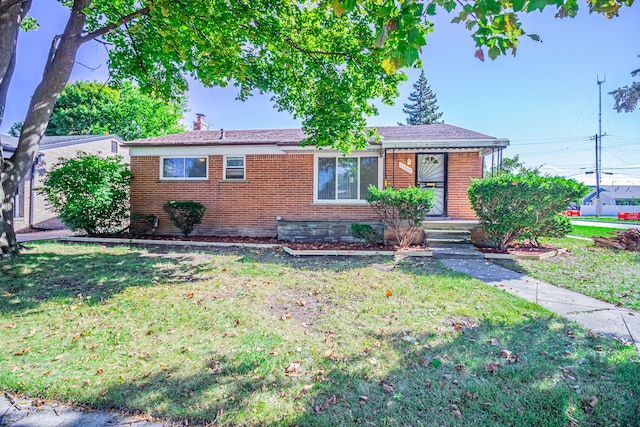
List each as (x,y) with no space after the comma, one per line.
(324,61)
(90,108)
(627,97)
(422,108)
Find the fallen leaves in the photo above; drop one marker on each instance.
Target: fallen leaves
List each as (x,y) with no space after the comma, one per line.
(320,408)
(293,369)
(22,352)
(388,293)
(387,387)
(492,367)
(455,411)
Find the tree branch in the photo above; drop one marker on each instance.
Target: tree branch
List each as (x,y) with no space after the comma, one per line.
(6,6)
(127,18)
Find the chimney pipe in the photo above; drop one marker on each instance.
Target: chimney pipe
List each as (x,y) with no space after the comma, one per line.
(199,124)
(222,136)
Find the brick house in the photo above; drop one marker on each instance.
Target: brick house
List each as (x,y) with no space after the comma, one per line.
(30,209)
(256,182)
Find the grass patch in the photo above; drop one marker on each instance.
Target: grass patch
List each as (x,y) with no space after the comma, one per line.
(608,275)
(605,219)
(590,231)
(255,337)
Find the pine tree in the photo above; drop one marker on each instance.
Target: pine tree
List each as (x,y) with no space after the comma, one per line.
(422,108)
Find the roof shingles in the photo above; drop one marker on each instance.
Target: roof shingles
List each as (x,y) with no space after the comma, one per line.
(423,133)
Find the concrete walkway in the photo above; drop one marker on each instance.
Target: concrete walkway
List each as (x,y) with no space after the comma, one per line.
(593,314)
(42,235)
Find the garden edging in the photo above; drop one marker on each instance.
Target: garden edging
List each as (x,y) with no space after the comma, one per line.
(293,252)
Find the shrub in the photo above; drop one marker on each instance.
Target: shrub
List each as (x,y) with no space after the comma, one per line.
(401,210)
(558,226)
(366,233)
(142,224)
(89,193)
(184,214)
(511,207)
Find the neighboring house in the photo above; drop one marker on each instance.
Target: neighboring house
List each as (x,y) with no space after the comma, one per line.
(614,198)
(30,209)
(253,182)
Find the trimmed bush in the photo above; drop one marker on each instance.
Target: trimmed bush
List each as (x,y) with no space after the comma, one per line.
(185,214)
(89,193)
(365,233)
(401,210)
(512,207)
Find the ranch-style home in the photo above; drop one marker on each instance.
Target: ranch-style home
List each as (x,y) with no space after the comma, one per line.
(260,182)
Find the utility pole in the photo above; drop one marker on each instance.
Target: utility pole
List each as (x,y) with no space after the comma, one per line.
(599,147)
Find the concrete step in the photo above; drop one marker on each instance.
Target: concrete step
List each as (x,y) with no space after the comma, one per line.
(459,250)
(447,236)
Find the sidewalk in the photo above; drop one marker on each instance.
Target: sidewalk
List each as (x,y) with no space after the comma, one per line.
(42,235)
(596,315)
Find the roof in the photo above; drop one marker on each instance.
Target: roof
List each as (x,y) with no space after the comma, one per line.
(9,143)
(391,135)
(615,192)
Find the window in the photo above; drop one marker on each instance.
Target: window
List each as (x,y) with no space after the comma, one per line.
(114,146)
(184,168)
(234,168)
(346,178)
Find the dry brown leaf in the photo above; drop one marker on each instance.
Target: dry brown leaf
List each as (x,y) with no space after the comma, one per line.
(328,354)
(388,293)
(58,357)
(363,399)
(504,353)
(494,341)
(301,303)
(427,383)
(100,372)
(388,387)
(285,316)
(293,369)
(491,367)
(189,295)
(455,411)
(22,352)
(461,367)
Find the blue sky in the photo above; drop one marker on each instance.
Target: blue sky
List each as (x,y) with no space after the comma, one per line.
(545,100)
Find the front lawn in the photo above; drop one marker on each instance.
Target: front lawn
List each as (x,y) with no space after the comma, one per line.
(606,274)
(246,337)
(590,231)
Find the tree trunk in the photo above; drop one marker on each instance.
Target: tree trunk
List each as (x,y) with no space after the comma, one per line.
(56,75)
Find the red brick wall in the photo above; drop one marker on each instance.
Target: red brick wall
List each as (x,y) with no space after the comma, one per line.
(396,177)
(461,168)
(275,185)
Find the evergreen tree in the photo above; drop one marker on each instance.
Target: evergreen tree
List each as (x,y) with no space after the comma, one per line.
(422,108)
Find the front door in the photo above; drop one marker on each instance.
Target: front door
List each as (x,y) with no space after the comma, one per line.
(431,174)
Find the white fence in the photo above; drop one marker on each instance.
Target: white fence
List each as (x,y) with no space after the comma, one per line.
(607,210)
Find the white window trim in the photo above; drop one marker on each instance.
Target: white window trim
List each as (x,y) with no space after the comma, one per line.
(244,167)
(185,178)
(358,202)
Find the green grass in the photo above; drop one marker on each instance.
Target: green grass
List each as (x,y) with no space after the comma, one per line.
(252,337)
(590,231)
(604,219)
(605,274)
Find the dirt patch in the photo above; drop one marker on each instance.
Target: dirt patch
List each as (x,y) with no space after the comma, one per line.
(345,246)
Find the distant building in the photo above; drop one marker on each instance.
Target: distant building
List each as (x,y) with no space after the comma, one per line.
(30,209)
(614,198)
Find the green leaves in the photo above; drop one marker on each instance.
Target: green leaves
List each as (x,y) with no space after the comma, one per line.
(89,193)
(185,214)
(93,108)
(510,207)
(401,210)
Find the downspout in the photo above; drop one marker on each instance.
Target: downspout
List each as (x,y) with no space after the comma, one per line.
(393,168)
